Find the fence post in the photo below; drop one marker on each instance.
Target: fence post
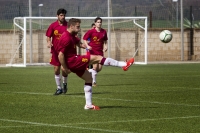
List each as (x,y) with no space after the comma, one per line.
(79,35)
(150,19)
(191,33)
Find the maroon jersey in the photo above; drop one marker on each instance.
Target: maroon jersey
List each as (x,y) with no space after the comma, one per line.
(55,31)
(96,40)
(67,45)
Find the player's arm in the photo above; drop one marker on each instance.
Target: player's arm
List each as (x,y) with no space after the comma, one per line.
(85,40)
(105,48)
(61,58)
(81,45)
(86,44)
(49,43)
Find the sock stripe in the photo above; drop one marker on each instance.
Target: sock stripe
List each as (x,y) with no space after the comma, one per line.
(102,61)
(90,84)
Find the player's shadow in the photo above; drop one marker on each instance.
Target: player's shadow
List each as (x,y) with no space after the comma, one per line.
(94,93)
(3,83)
(118,85)
(104,107)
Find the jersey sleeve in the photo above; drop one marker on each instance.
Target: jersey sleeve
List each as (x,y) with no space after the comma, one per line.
(63,43)
(49,32)
(77,40)
(87,35)
(105,37)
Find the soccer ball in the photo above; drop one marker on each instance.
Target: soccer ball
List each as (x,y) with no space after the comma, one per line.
(165,36)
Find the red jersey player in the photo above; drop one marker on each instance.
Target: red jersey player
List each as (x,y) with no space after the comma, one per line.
(88,41)
(53,34)
(97,46)
(71,62)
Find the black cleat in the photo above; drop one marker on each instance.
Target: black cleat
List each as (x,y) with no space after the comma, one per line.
(65,88)
(58,92)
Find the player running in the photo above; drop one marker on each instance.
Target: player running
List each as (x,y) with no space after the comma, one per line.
(88,41)
(97,46)
(53,34)
(71,62)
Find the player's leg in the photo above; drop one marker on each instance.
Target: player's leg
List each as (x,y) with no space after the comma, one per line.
(96,68)
(57,66)
(93,72)
(88,91)
(111,62)
(57,79)
(64,79)
(79,66)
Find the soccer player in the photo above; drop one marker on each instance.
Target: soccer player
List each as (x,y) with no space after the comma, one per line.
(71,62)
(97,46)
(53,34)
(88,41)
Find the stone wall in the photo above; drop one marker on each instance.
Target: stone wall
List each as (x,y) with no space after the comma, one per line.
(123,45)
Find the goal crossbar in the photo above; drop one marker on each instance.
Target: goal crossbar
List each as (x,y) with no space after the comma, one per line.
(24,29)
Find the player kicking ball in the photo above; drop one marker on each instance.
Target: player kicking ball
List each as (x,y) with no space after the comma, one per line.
(71,62)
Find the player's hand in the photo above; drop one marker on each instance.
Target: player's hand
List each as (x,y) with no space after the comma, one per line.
(83,46)
(66,70)
(49,45)
(89,47)
(105,49)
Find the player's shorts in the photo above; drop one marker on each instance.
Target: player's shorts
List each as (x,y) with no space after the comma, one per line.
(54,58)
(78,64)
(96,52)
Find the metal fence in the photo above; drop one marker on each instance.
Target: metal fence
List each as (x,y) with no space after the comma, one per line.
(162,15)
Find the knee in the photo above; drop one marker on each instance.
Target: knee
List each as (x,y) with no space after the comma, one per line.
(57,70)
(98,70)
(88,79)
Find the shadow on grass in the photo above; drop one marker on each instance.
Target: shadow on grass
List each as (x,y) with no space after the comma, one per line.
(118,85)
(104,107)
(3,83)
(82,94)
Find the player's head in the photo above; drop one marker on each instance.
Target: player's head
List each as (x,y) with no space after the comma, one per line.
(74,25)
(92,25)
(61,13)
(98,22)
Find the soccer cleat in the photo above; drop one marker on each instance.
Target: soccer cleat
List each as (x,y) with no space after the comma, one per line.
(93,107)
(58,92)
(65,88)
(128,64)
(94,84)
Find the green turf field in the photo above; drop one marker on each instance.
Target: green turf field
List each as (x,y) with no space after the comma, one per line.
(155,98)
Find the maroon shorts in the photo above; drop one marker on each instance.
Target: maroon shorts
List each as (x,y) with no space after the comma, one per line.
(96,52)
(78,64)
(54,58)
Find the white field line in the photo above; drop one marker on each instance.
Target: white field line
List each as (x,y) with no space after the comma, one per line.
(113,99)
(18,126)
(152,91)
(89,123)
(142,120)
(153,102)
(62,125)
(187,88)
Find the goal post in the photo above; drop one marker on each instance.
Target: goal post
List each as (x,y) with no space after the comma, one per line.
(127,37)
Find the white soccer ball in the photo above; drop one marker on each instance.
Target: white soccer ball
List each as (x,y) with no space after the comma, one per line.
(165,36)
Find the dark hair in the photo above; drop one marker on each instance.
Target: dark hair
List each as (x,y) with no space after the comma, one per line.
(61,11)
(92,24)
(73,22)
(98,18)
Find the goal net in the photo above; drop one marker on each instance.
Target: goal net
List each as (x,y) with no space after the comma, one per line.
(127,37)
